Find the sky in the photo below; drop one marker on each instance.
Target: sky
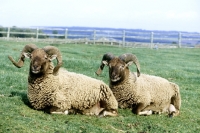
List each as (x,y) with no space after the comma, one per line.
(168,15)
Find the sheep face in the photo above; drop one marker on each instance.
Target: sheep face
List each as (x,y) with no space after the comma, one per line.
(39,61)
(117,69)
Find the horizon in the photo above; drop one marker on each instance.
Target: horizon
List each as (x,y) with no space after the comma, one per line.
(111,28)
(96,28)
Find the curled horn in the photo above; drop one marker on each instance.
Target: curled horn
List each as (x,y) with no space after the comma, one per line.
(130,57)
(27,49)
(106,57)
(51,50)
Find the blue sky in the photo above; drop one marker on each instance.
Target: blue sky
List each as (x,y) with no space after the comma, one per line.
(179,15)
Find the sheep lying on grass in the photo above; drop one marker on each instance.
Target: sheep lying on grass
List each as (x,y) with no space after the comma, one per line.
(145,94)
(60,91)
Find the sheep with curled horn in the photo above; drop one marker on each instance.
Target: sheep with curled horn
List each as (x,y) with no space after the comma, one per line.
(144,94)
(60,91)
(50,51)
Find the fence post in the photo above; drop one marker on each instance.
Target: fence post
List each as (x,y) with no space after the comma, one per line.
(94,36)
(37,30)
(151,40)
(8,33)
(123,38)
(179,39)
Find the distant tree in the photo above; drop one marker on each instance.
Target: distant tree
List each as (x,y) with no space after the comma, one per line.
(61,37)
(55,32)
(20,32)
(1,29)
(174,42)
(41,36)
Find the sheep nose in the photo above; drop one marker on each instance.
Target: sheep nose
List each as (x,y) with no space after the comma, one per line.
(114,75)
(35,67)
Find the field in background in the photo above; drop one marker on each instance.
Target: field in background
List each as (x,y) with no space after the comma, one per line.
(181,66)
(95,35)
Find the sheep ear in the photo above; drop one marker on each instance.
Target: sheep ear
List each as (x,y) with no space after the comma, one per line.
(129,63)
(52,57)
(105,62)
(27,55)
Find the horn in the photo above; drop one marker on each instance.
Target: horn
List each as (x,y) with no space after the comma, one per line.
(130,57)
(51,50)
(106,57)
(27,49)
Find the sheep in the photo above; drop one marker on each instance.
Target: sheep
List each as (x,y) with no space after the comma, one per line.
(144,94)
(59,91)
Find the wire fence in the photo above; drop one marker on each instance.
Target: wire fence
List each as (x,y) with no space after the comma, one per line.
(125,38)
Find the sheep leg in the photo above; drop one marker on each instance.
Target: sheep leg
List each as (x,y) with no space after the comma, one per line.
(98,110)
(172,110)
(108,102)
(56,110)
(108,113)
(95,110)
(146,112)
(137,109)
(65,112)
(176,99)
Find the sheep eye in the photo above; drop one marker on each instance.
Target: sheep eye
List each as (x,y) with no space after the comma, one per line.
(122,66)
(30,56)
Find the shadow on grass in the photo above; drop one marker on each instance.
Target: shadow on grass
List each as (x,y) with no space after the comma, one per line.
(24,98)
(23,95)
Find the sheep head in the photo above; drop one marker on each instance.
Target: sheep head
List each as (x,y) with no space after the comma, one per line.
(39,58)
(119,65)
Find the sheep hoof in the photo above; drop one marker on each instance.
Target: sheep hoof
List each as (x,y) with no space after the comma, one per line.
(150,112)
(66,112)
(171,115)
(54,112)
(172,111)
(107,113)
(146,112)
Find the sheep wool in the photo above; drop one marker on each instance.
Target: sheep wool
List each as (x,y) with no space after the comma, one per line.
(60,91)
(145,94)
(69,90)
(156,97)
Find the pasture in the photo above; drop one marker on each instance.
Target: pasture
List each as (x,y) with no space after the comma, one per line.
(181,66)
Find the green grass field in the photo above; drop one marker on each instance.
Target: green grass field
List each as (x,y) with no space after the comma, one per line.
(181,66)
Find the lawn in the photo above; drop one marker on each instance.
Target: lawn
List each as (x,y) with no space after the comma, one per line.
(181,66)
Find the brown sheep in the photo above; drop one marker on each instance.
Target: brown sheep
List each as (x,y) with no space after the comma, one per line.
(145,94)
(62,91)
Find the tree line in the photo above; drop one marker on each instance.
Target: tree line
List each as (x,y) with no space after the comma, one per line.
(18,32)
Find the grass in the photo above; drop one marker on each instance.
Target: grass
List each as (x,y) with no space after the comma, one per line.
(181,66)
